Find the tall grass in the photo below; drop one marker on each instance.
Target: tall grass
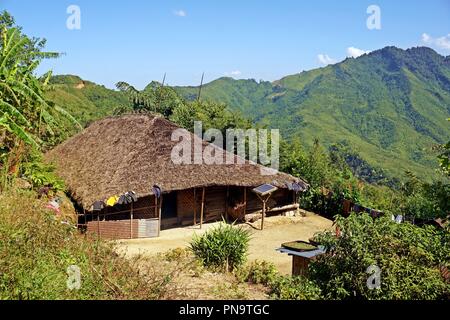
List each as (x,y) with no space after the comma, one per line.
(36,248)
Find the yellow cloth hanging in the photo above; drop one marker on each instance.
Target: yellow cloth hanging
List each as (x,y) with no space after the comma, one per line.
(112,201)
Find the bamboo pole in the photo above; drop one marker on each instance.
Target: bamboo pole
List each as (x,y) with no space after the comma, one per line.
(202,208)
(195,207)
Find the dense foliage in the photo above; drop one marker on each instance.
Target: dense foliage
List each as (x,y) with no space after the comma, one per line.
(224,247)
(409,257)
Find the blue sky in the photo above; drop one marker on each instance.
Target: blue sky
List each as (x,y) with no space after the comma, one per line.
(138,41)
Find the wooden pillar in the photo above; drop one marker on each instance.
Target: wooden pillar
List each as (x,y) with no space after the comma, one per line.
(263,214)
(98,224)
(159,213)
(226,203)
(131,222)
(202,208)
(245,201)
(195,207)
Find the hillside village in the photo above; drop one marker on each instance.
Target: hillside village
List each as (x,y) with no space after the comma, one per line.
(94,206)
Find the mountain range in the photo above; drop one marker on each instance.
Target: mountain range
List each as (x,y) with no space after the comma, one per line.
(387,108)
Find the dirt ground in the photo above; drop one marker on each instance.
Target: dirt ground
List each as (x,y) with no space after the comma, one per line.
(263,244)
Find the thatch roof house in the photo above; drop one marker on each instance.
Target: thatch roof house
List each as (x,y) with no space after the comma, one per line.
(133,153)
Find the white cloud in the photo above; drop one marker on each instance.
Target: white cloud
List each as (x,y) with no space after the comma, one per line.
(233,73)
(442,42)
(325,59)
(355,52)
(180,13)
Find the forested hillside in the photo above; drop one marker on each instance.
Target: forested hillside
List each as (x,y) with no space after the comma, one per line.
(389,106)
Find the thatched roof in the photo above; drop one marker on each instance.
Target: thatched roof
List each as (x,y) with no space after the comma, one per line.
(133,152)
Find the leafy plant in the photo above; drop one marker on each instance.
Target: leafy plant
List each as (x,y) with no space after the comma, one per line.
(294,288)
(224,247)
(408,256)
(40,173)
(258,272)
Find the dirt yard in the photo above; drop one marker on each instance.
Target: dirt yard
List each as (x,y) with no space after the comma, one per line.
(263,244)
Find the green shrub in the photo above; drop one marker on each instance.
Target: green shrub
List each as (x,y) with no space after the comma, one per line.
(408,256)
(294,288)
(224,247)
(258,272)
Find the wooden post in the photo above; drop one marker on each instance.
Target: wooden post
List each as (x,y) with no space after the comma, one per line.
(131,222)
(245,201)
(226,203)
(202,208)
(263,214)
(159,214)
(98,225)
(195,207)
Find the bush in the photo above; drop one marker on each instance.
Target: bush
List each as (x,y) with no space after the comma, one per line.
(408,256)
(258,272)
(294,288)
(36,249)
(223,247)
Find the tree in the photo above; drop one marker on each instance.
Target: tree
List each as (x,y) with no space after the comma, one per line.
(154,98)
(27,120)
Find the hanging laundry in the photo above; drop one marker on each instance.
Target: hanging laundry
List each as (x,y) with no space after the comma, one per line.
(122,200)
(112,201)
(133,195)
(54,205)
(157,191)
(98,206)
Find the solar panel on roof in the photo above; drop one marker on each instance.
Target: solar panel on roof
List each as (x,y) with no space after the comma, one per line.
(264,189)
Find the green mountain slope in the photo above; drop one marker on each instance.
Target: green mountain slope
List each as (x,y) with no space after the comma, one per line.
(389,106)
(85,100)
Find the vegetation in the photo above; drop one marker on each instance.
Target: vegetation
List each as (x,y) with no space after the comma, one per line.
(389,107)
(37,247)
(258,272)
(224,247)
(408,256)
(28,122)
(280,287)
(295,288)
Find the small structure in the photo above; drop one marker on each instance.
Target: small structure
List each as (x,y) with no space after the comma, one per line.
(131,154)
(301,259)
(264,192)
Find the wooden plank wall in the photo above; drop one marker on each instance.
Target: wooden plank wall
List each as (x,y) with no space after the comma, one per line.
(214,204)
